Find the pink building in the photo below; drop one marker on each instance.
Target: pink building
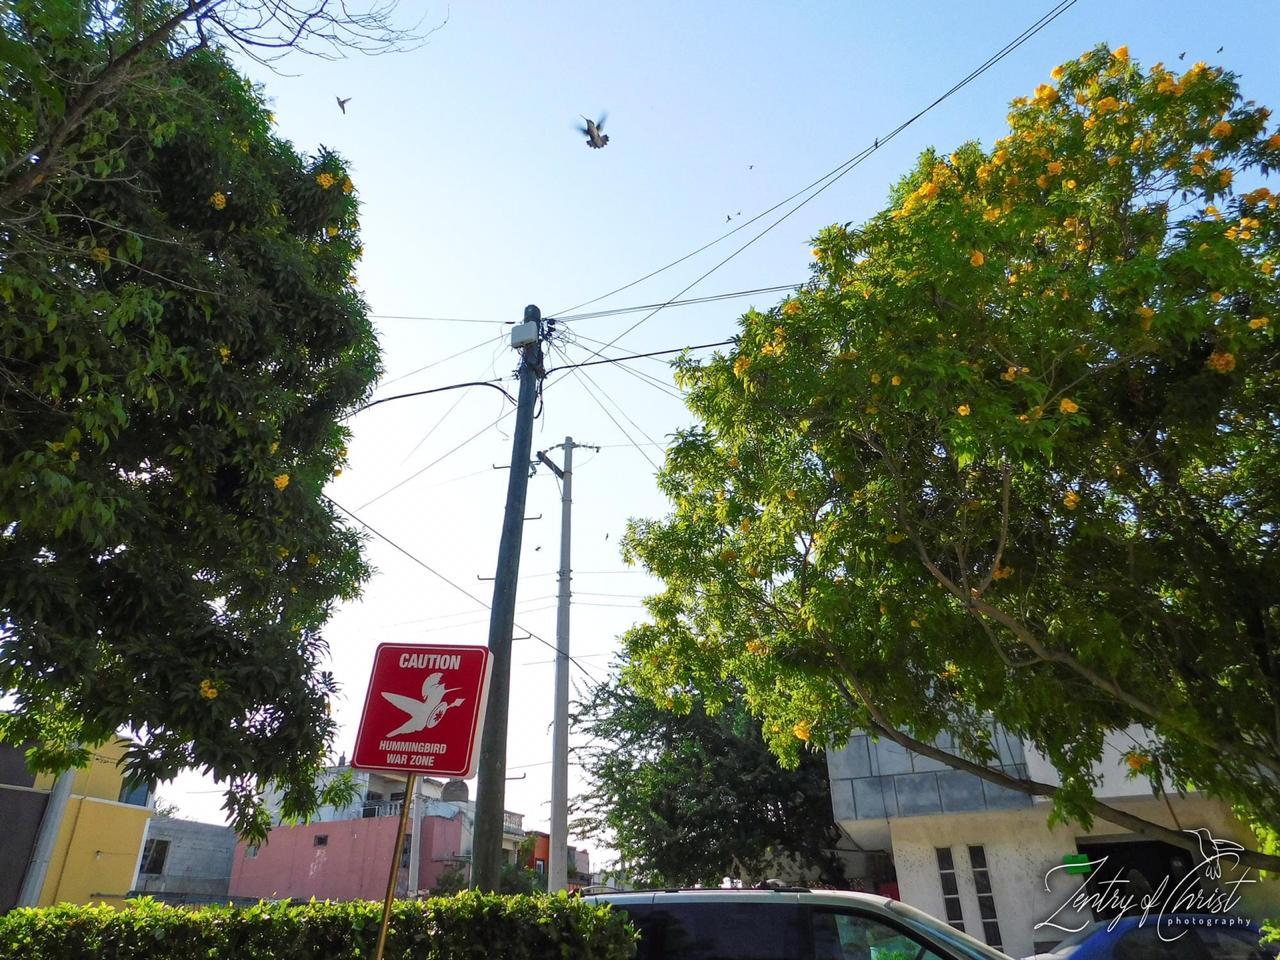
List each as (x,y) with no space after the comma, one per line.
(343,859)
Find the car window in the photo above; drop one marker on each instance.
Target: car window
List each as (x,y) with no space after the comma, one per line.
(1145,943)
(852,936)
(1235,943)
(720,930)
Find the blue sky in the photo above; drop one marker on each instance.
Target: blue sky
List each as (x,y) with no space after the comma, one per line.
(479,197)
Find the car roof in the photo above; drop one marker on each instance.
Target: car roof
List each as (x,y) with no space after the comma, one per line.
(744,895)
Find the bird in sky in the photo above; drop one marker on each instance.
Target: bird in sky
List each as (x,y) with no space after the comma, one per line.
(594,129)
(342,104)
(1223,47)
(727,218)
(751,166)
(428,711)
(1182,54)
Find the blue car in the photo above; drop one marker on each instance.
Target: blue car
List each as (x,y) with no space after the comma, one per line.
(1202,938)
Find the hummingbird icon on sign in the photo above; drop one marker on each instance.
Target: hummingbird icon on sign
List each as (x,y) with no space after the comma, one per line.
(424,713)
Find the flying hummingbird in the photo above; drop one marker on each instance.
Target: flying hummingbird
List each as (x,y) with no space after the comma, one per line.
(596,137)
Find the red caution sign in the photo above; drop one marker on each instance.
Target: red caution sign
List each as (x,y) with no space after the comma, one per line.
(424,710)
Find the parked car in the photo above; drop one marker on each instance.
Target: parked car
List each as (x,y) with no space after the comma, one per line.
(789,923)
(1203,938)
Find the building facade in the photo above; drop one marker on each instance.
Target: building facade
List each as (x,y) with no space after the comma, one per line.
(99,840)
(185,862)
(346,853)
(985,858)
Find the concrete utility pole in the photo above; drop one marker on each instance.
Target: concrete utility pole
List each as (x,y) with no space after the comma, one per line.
(415,839)
(50,825)
(486,849)
(558,855)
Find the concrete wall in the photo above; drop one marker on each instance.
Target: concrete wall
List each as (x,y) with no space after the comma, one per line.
(198,863)
(1020,850)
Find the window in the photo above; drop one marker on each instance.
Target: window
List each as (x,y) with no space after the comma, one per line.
(540,865)
(852,936)
(986,898)
(714,930)
(251,852)
(136,794)
(154,854)
(320,840)
(950,889)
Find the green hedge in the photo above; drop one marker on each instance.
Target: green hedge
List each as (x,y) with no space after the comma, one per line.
(467,925)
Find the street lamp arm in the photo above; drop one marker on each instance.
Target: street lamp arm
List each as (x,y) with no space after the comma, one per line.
(420,393)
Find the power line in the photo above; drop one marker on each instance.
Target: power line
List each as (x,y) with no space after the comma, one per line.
(642,376)
(435,363)
(400,316)
(448,453)
(639,356)
(586,386)
(436,573)
(710,298)
(838,172)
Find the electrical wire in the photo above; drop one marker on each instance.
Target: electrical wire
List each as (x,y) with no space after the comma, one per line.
(645,378)
(448,453)
(440,576)
(605,409)
(710,298)
(435,363)
(835,175)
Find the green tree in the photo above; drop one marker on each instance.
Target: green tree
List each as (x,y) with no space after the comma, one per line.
(180,340)
(1011,453)
(689,797)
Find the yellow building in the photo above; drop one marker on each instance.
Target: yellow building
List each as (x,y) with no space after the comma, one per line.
(99,844)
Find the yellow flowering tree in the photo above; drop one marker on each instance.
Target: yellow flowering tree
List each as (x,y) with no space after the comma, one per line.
(179,342)
(1011,453)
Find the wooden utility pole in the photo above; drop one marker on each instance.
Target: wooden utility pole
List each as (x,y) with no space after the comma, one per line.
(486,844)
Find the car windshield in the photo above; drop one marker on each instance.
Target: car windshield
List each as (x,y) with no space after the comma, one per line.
(969,946)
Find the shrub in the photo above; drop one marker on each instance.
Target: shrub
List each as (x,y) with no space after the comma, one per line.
(469,924)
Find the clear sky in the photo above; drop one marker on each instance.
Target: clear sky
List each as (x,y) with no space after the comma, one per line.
(479,197)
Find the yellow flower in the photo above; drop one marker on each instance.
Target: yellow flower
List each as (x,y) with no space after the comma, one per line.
(1071,500)
(1225,177)
(1013,278)
(963,409)
(101,254)
(1257,323)
(1045,95)
(1197,170)
(755,647)
(331,230)
(896,537)
(225,353)
(1067,405)
(1054,167)
(337,472)
(791,494)
(991,213)
(1273,142)
(734,463)
(791,307)
(928,191)
(896,381)
(1266,266)
(282,552)
(977,259)
(1121,53)
(741,365)
(1069,184)
(1220,361)
(325,179)
(1216,296)
(281,481)
(1137,762)
(313,560)
(875,378)
(347,185)
(1220,130)
(817,254)
(1107,105)
(218,200)
(275,446)
(75,454)
(1042,181)
(728,554)
(801,730)
(1002,573)
(1057,72)
(208,690)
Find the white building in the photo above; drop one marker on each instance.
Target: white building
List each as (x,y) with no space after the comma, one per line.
(984,857)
